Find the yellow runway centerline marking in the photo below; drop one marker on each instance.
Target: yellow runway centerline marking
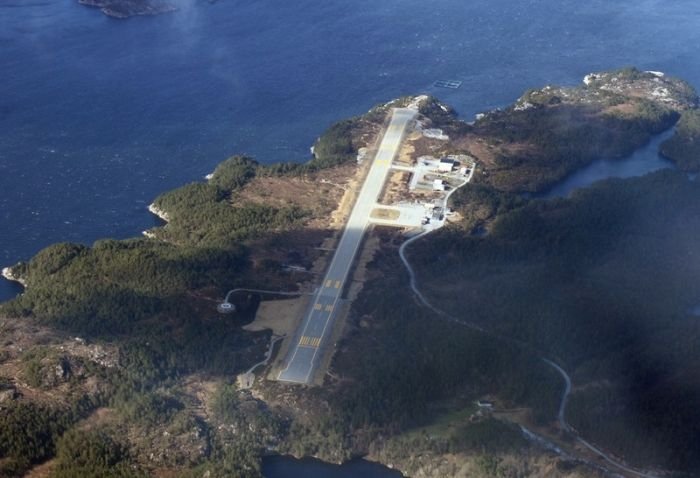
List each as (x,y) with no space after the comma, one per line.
(300,366)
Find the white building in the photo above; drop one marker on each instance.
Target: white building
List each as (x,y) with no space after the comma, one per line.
(446,165)
(438,185)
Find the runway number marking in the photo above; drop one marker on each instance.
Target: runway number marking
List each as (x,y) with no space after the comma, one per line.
(312,342)
(383,158)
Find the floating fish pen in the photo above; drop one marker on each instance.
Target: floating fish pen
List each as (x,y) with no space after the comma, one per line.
(453,84)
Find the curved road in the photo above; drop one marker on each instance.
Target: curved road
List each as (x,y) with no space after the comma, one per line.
(561,416)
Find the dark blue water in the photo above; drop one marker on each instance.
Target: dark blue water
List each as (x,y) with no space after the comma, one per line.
(98,116)
(642,161)
(285,467)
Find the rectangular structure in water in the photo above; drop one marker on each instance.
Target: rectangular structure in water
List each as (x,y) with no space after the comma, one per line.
(453,84)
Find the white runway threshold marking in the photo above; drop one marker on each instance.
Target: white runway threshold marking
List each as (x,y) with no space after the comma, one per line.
(301,360)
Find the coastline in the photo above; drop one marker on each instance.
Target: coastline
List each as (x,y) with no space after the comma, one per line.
(398,462)
(7,274)
(162,215)
(159,212)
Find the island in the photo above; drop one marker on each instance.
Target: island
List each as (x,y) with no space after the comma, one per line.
(495,334)
(130,8)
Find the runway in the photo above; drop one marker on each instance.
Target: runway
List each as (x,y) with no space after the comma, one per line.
(302,358)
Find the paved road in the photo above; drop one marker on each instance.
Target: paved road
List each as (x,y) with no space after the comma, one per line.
(315,330)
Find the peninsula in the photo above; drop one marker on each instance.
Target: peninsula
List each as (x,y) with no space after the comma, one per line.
(512,336)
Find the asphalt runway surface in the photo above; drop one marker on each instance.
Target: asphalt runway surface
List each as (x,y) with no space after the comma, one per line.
(315,330)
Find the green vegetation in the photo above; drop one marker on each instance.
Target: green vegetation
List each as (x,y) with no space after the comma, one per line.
(443,117)
(420,358)
(603,281)
(244,431)
(399,359)
(33,369)
(149,408)
(488,436)
(479,203)
(210,215)
(113,287)
(487,445)
(485,436)
(539,146)
(207,214)
(684,147)
(29,432)
(94,454)
(551,132)
(148,296)
(239,459)
(226,403)
(336,145)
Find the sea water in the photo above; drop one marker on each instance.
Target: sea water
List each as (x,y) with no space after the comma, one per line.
(98,116)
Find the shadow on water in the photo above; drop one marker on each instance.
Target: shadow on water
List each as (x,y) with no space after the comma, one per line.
(9,289)
(639,163)
(288,467)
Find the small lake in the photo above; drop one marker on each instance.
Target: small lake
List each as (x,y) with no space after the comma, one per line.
(288,467)
(641,162)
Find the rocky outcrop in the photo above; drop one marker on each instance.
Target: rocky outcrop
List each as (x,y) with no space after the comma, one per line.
(652,85)
(615,87)
(8,395)
(159,212)
(9,274)
(163,215)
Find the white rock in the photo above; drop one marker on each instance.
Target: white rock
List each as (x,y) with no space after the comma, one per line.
(526,105)
(435,133)
(158,212)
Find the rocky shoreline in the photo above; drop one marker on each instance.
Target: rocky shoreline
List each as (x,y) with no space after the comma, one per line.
(9,275)
(156,211)
(159,212)
(439,451)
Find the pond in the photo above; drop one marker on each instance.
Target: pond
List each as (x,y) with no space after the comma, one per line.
(641,162)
